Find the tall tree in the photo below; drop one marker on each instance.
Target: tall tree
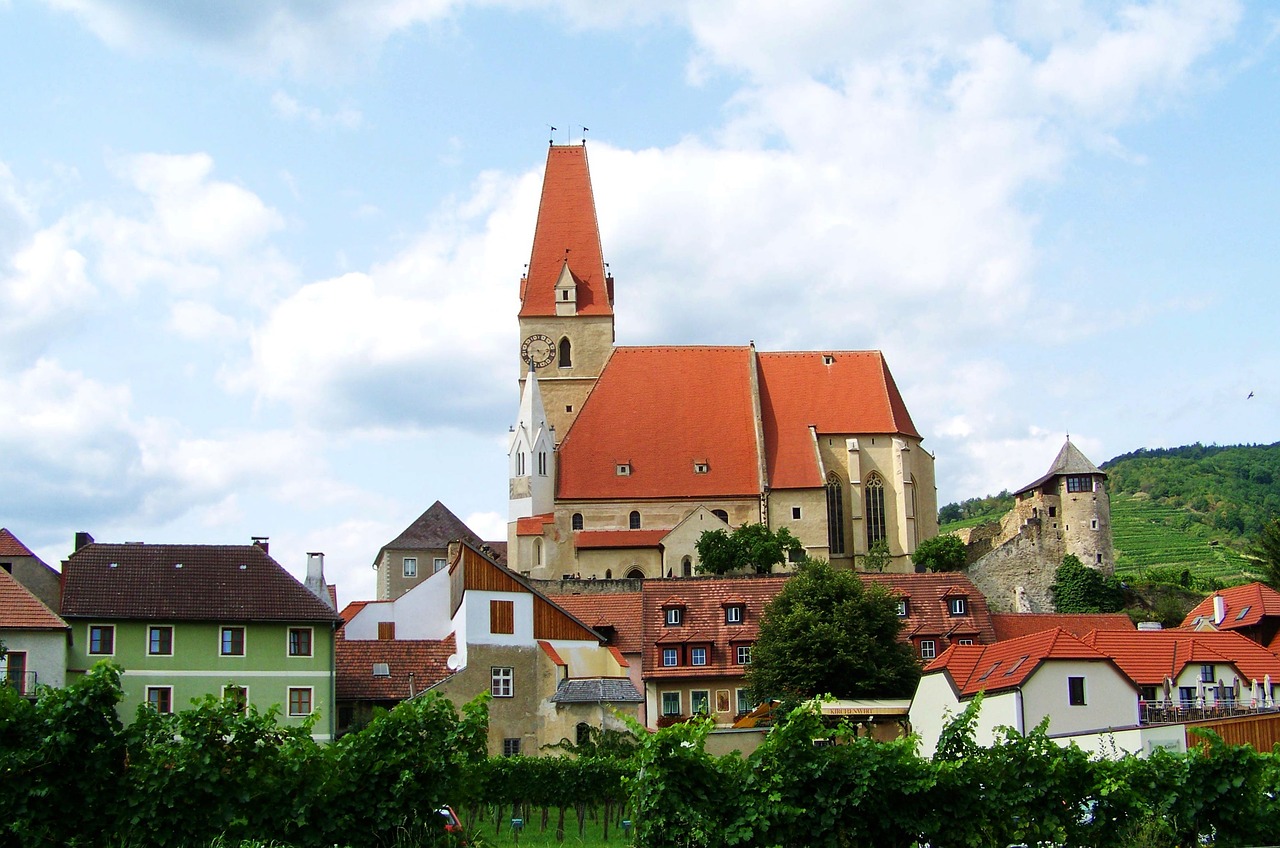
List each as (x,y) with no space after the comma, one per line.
(750,547)
(941,553)
(827,632)
(1077,588)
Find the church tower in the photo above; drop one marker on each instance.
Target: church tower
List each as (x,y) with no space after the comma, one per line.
(566,295)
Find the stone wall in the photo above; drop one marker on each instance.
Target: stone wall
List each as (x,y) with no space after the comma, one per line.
(1016,576)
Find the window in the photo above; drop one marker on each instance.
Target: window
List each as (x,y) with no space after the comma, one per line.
(701,468)
(577,521)
(675,615)
(511,747)
(1080,483)
(700,702)
(1075,691)
(928,649)
(698,656)
(160,698)
(964,642)
(671,703)
(410,566)
(721,514)
(160,641)
(232,642)
(1187,695)
(733,614)
(387,631)
(1053,512)
(582,733)
(958,606)
(238,696)
(502,617)
(902,607)
(439,564)
(1148,693)
(13,671)
(670,657)
(299,641)
(835,514)
(299,700)
(795,513)
(744,655)
(744,701)
(542,463)
(502,682)
(566,350)
(520,464)
(623,469)
(796,555)
(875,510)
(634,520)
(102,639)
(1207,673)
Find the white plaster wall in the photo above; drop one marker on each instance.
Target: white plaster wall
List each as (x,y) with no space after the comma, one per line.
(476,626)
(420,613)
(1110,699)
(1138,741)
(935,704)
(46,652)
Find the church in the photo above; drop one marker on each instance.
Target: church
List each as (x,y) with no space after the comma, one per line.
(621,457)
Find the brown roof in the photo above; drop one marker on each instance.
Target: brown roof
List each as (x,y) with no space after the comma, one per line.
(11,547)
(1008,664)
(1246,606)
(1149,656)
(184,582)
(19,609)
(567,231)
(1068,461)
(425,659)
(1011,625)
(928,612)
(619,610)
(434,530)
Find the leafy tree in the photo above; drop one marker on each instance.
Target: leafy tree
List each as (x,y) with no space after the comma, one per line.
(877,558)
(828,633)
(751,546)
(941,553)
(1267,550)
(1080,589)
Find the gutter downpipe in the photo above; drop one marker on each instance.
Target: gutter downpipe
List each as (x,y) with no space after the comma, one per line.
(1022,719)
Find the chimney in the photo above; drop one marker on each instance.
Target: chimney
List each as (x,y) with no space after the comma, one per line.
(82,539)
(261,542)
(315,578)
(1219,609)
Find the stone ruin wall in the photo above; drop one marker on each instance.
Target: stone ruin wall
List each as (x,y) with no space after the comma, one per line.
(1016,575)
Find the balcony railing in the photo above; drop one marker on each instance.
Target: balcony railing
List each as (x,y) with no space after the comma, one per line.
(1200,709)
(23,681)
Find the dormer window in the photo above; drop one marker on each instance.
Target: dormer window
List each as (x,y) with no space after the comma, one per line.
(701,467)
(675,616)
(903,607)
(828,359)
(958,606)
(623,469)
(733,614)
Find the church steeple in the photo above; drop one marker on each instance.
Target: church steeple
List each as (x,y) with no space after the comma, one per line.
(531,457)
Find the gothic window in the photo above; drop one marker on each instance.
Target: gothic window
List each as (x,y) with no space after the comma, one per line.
(835,514)
(875,510)
(635,574)
(577,521)
(686,567)
(721,514)
(537,551)
(566,353)
(634,521)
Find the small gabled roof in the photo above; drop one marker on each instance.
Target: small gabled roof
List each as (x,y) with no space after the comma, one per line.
(597,690)
(11,547)
(618,610)
(1150,656)
(1245,606)
(425,659)
(1007,665)
(928,615)
(21,610)
(1011,625)
(184,582)
(1068,461)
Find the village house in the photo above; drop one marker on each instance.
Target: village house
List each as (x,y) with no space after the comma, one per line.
(34,638)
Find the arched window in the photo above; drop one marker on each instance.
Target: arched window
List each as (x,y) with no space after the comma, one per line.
(608,574)
(635,520)
(835,514)
(577,521)
(537,552)
(686,567)
(635,574)
(583,733)
(721,514)
(875,510)
(566,353)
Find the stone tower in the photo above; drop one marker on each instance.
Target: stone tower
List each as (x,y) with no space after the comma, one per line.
(566,295)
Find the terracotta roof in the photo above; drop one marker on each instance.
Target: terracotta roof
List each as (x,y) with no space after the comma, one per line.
(650,410)
(567,231)
(1008,664)
(1149,656)
(928,613)
(619,610)
(1245,606)
(184,582)
(434,530)
(11,547)
(1068,461)
(352,609)
(551,652)
(618,538)
(1011,625)
(355,659)
(532,525)
(19,609)
(853,394)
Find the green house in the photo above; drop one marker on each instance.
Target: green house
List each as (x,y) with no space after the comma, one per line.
(186,621)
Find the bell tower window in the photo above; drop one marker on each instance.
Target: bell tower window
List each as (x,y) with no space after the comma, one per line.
(566,353)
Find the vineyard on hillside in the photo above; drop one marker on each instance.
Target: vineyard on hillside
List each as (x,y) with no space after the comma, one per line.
(1153,537)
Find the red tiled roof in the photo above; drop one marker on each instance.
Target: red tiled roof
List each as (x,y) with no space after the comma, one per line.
(928,614)
(651,409)
(1254,600)
(425,659)
(11,547)
(19,609)
(1008,664)
(620,610)
(532,525)
(184,582)
(1149,656)
(550,651)
(567,230)
(618,538)
(352,609)
(1011,625)
(854,394)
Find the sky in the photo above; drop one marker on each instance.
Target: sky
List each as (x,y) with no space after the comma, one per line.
(259,259)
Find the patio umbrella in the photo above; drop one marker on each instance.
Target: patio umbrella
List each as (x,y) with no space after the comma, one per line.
(1168,691)
(1266,689)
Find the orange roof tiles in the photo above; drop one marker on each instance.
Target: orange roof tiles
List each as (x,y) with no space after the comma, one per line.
(620,611)
(567,230)
(1011,625)
(584,539)
(928,613)
(1149,656)
(840,392)
(660,410)
(11,547)
(1245,606)
(19,609)
(1008,664)
(424,659)
(532,525)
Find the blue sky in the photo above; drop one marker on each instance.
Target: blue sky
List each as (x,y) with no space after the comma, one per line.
(259,259)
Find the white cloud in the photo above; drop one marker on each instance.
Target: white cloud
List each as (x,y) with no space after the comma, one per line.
(44,288)
(291,109)
(199,321)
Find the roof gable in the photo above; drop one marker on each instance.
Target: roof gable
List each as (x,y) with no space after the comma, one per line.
(472,570)
(621,611)
(434,529)
(1008,664)
(21,610)
(185,582)
(11,547)
(1245,606)
(1148,657)
(1068,461)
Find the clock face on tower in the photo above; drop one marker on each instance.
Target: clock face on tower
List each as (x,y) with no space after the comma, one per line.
(538,350)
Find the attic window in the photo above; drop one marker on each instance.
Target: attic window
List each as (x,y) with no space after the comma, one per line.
(1015,666)
(675,615)
(828,359)
(1242,614)
(958,606)
(902,607)
(623,469)
(381,670)
(701,468)
(991,670)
